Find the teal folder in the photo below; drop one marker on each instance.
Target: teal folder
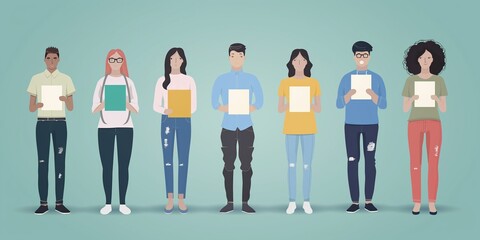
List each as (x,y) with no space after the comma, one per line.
(115,98)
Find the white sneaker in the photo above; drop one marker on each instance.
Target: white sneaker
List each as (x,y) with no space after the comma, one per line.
(307,208)
(106,210)
(291,207)
(124,209)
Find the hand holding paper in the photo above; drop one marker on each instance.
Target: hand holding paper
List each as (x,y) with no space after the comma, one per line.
(299,99)
(238,101)
(425,90)
(361,83)
(51,98)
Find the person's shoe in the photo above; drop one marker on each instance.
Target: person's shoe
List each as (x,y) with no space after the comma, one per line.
(433,213)
(60,208)
(353,208)
(247,209)
(41,210)
(183,211)
(167,211)
(124,209)
(369,207)
(106,209)
(227,208)
(415,213)
(307,208)
(291,207)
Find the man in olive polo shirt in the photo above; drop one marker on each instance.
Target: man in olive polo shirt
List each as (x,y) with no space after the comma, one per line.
(50,92)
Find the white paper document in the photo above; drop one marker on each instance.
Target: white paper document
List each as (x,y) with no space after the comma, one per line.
(424,90)
(299,99)
(238,102)
(50,98)
(361,83)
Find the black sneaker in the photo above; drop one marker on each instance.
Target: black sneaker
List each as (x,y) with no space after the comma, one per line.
(228,208)
(370,208)
(247,209)
(353,208)
(41,210)
(62,209)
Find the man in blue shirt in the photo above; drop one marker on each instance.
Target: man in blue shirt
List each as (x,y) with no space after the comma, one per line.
(361,118)
(237,127)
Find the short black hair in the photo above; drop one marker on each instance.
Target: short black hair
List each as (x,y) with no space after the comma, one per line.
(237,47)
(362,46)
(412,54)
(52,50)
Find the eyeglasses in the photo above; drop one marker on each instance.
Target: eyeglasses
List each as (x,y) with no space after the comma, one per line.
(118,60)
(360,55)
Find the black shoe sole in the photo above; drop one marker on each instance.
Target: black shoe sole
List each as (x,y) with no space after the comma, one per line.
(353,211)
(371,211)
(433,213)
(227,211)
(415,213)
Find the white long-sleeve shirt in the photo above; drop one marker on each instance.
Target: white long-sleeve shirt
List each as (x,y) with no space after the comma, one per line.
(177,82)
(115,119)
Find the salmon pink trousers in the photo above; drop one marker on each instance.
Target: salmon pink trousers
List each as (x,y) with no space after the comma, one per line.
(417,129)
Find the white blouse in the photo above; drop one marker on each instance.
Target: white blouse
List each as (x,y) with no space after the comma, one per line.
(115,119)
(177,82)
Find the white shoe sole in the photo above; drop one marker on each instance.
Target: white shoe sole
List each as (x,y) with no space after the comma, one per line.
(371,211)
(61,212)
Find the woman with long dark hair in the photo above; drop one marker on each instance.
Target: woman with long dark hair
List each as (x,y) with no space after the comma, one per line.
(176,99)
(424,61)
(299,97)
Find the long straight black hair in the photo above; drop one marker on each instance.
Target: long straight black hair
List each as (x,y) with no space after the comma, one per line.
(168,68)
(308,67)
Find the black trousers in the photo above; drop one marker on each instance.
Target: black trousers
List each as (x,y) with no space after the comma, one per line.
(58,131)
(106,144)
(245,140)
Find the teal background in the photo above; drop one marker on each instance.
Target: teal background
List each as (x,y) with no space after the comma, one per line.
(85,31)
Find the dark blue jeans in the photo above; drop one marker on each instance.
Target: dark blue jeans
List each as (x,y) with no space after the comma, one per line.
(181,128)
(58,131)
(352,140)
(106,145)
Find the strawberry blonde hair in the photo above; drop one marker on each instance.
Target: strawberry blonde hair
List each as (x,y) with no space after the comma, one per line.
(123,68)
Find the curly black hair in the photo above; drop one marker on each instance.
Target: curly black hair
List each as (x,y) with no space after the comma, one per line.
(412,54)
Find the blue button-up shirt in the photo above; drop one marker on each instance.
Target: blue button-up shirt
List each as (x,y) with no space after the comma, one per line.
(362,112)
(236,80)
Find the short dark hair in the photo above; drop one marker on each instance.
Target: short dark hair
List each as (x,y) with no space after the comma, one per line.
(52,50)
(308,67)
(237,47)
(412,54)
(362,46)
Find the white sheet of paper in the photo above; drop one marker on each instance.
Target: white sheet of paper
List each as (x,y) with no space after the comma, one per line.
(299,99)
(361,83)
(424,90)
(50,95)
(238,101)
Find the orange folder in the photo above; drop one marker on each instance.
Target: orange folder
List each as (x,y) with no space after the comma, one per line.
(180,102)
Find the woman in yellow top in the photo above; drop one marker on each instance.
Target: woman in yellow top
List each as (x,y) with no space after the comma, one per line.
(295,98)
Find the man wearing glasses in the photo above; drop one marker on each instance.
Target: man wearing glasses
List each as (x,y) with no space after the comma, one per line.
(50,91)
(361,92)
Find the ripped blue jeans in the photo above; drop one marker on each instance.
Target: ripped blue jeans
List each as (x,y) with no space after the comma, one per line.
(307,141)
(181,128)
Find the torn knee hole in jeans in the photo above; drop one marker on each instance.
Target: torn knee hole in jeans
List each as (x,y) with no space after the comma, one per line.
(60,150)
(165,143)
(41,161)
(292,165)
(306,166)
(180,165)
(351,159)
(436,148)
(371,147)
(168,164)
(167,130)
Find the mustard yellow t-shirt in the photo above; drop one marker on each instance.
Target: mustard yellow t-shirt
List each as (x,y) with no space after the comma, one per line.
(299,122)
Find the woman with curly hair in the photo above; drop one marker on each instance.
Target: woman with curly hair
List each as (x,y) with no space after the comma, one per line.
(424,61)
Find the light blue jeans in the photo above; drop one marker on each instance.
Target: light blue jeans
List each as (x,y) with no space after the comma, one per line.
(307,141)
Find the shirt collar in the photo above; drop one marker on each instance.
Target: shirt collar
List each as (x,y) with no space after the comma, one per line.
(236,71)
(48,74)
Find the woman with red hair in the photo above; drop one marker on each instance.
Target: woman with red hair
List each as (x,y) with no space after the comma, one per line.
(115,98)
